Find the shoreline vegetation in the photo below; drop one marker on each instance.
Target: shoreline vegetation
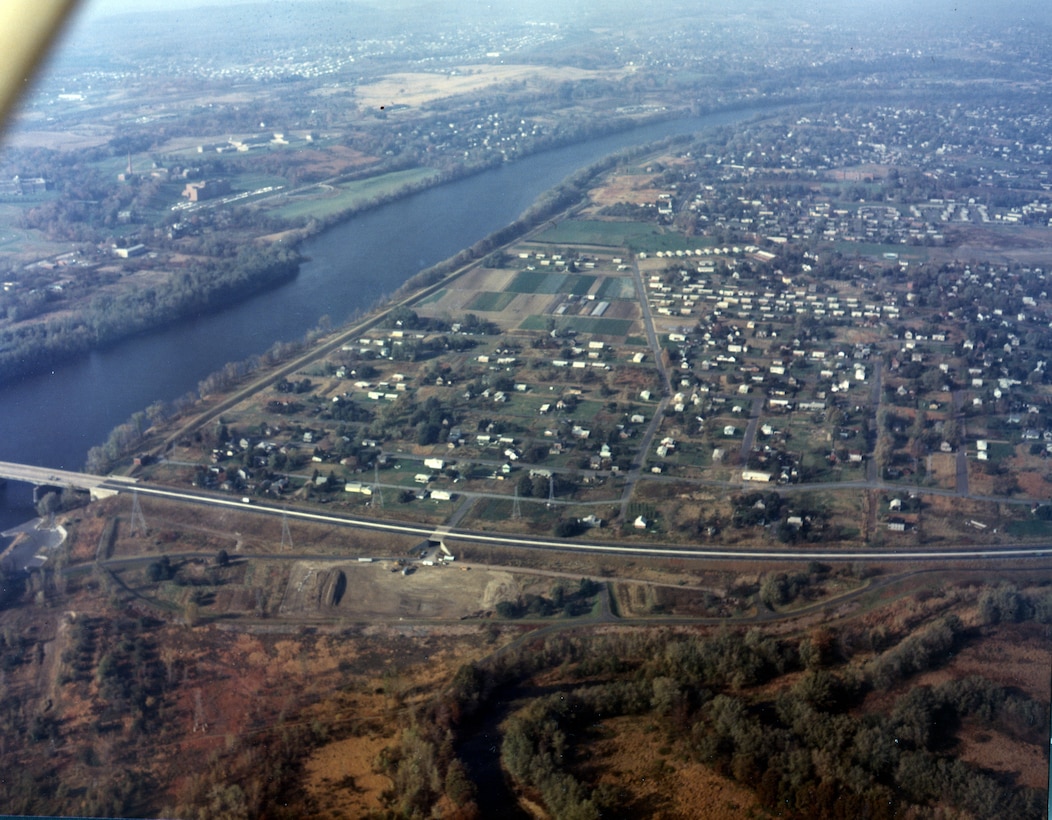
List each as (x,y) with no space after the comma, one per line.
(110,319)
(129,437)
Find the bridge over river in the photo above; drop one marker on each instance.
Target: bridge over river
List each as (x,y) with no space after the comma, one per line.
(99,486)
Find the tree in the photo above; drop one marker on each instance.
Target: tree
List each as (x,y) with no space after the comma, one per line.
(222,558)
(50,504)
(191,613)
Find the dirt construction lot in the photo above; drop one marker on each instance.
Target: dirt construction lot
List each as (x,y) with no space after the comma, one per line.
(379,590)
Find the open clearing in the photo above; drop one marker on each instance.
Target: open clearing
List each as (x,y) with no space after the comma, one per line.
(379,590)
(327,200)
(415,89)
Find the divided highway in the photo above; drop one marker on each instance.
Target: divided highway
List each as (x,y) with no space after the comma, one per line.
(101,486)
(964,553)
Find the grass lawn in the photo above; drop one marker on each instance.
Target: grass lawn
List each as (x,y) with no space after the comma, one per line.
(637,236)
(872,249)
(352,194)
(999,450)
(595,232)
(1030,529)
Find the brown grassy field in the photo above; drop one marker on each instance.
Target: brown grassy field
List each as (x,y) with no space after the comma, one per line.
(418,89)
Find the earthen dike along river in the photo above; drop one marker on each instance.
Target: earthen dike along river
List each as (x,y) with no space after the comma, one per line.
(51,420)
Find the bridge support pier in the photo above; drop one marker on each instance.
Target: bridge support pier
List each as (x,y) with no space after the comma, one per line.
(40,490)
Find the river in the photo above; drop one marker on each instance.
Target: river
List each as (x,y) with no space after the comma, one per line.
(53,419)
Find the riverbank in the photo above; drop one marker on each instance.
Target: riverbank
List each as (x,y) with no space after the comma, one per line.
(111,318)
(29,546)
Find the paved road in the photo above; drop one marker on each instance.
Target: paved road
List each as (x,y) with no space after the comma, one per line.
(962,553)
(750,429)
(48,476)
(962,451)
(633,475)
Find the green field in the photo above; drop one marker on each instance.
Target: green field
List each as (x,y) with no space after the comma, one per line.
(1030,529)
(594,232)
(1000,450)
(434,297)
(490,302)
(582,324)
(616,287)
(16,240)
(637,236)
(352,194)
(530,281)
(871,249)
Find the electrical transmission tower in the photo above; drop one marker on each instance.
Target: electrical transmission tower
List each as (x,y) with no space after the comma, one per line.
(516,510)
(377,498)
(551,491)
(286,536)
(138,520)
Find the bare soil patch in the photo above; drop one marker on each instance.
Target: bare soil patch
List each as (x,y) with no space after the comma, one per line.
(944,470)
(636,189)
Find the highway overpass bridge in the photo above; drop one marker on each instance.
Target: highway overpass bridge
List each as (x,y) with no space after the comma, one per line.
(99,486)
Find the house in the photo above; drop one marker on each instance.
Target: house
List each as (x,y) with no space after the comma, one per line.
(201,191)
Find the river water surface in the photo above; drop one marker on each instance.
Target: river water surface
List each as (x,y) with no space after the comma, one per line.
(53,419)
